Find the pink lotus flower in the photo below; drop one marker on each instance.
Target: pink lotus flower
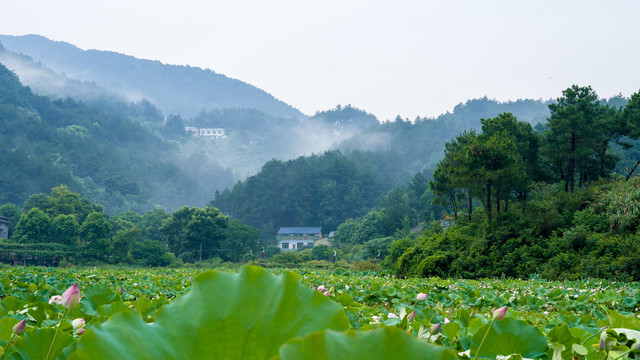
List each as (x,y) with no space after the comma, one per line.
(446,321)
(20,327)
(327,293)
(56,299)
(78,323)
(392,316)
(321,288)
(71,297)
(498,314)
(421,296)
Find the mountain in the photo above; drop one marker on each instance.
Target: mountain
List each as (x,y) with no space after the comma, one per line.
(182,90)
(107,157)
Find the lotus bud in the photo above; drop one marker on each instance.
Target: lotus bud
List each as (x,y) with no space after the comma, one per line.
(80,331)
(411,316)
(55,299)
(601,345)
(321,288)
(635,347)
(71,297)
(434,329)
(498,314)
(78,323)
(392,316)
(20,327)
(421,296)
(327,293)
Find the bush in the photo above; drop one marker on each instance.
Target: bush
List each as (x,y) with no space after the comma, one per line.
(366,265)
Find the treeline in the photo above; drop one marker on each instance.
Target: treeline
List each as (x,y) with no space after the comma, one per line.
(64,228)
(543,201)
(319,190)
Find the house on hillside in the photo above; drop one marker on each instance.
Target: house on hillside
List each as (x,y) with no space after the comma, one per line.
(4,227)
(294,238)
(217,133)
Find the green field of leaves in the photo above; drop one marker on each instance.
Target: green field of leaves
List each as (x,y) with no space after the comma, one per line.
(318,314)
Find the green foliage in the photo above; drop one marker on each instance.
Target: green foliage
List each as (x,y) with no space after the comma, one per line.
(385,343)
(195,233)
(35,225)
(366,265)
(621,205)
(247,315)
(509,337)
(151,253)
(108,158)
(95,227)
(321,189)
(65,229)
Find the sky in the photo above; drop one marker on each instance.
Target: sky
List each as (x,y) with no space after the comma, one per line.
(403,57)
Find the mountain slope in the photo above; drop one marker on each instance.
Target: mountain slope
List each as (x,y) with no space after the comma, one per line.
(183,90)
(112,160)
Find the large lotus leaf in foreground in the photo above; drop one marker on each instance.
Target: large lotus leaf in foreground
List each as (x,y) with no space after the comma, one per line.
(509,336)
(248,315)
(381,344)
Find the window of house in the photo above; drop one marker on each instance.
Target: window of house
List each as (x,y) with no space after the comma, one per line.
(300,245)
(285,245)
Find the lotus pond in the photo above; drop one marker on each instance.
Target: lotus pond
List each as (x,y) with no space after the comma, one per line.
(253,313)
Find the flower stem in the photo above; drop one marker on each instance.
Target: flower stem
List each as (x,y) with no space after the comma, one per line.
(56,334)
(6,346)
(483,338)
(623,354)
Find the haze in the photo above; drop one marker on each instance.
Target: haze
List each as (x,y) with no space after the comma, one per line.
(407,58)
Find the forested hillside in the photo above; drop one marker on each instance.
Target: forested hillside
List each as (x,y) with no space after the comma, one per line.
(318,190)
(182,90)
(114,161)
(527,202)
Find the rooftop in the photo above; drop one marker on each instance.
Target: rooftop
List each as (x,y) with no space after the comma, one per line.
(299,230)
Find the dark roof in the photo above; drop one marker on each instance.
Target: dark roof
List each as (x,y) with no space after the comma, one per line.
(4,219)
(299,230)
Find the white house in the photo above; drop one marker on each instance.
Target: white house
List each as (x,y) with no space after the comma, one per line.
(295,238)
(217,133)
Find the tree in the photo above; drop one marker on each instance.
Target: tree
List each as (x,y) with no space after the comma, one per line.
(527,146)
(205,232)
(631,115)
(173,226)
(123,242)
(454,173)
(240,238)
(35,225)
(573,133)
(151,253)
(151,224)
(64,229)
(95,227)
(443,189)
(195,233)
